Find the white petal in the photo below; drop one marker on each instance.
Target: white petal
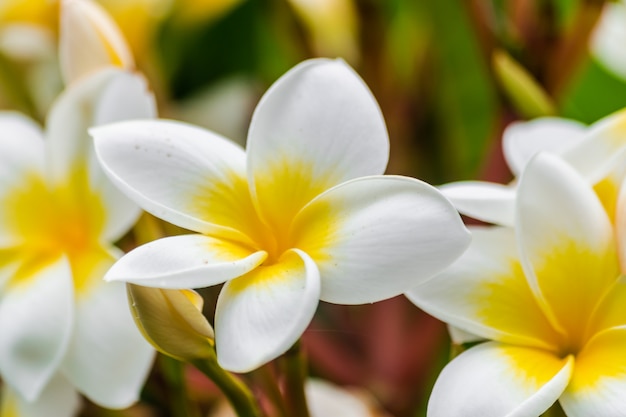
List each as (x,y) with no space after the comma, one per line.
(89,40)
(317,126)
(603,145)
(21,138)
(566,241)
(107,359)
(494,380)
(21,148)
(58,399)
(262,314)
(609,36)
(376,237)
(125,97)
(489,202)
(180,173)
(187,261)
(83,105)
(36,323)
(484,291)
(522,140)
(325,400)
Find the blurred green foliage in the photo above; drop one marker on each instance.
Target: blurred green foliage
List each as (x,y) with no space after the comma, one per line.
(430,65)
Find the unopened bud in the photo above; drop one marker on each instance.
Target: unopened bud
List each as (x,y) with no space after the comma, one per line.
(172,321)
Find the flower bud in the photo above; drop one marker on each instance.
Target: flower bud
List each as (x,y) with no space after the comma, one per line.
(525,93)
(172,321)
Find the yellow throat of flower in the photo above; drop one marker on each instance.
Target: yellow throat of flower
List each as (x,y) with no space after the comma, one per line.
(48,222)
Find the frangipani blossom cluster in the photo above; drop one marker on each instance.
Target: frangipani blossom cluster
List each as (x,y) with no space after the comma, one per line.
(535,301)
(64,330)
(545,289)
(304,214)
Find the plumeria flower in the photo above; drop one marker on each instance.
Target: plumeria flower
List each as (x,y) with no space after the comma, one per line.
(304,215)
(64,330)
(548,295)
(594,151)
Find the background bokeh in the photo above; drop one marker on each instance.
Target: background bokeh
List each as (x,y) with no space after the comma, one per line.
(449,76)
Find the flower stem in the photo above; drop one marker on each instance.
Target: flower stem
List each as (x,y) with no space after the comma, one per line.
(267,380)
(294,363)
(237,392)
(174,373)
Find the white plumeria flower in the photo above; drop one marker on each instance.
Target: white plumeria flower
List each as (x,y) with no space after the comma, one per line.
(549,296)
(609,36)
(304,215)
(63,328)
(594,151)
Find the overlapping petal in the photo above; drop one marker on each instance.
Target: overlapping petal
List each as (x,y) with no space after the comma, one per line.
(58,399)
(187,261)
(620,225)
(567,244)
(35,339)
(610,312)
(89,40)
(125,97)
(107,357)
(523,140)
(316,127)
(91,101)
(486,201)
(374,237)
(201,176)
(485,290)
(496,380)
(601,148)
(599,380)
(263,313)
(102,97)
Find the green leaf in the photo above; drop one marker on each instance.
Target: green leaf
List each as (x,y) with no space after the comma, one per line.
(593,94)
(465,95)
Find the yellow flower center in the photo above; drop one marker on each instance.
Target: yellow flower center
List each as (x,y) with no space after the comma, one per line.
(574,305)
(574,282)
(53,221)
(283,188)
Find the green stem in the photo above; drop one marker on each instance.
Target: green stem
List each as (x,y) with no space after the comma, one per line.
(173,371)
(267,380)
(294,363)
(237,392)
